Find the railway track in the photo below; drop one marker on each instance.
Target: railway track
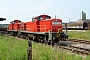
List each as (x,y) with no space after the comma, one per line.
(74,49)
(78,40)
(77,49)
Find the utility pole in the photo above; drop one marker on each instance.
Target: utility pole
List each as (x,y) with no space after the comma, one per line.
(83,15)
(69,19)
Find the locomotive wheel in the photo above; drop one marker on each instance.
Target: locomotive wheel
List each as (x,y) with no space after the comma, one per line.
(18,35)
(52,43)
(42,41)
(33,37)
(49,43)
(26,38)
(21,36)
(45,41)
(39,40)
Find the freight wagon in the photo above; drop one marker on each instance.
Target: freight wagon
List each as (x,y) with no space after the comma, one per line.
(80,25)
(3,27)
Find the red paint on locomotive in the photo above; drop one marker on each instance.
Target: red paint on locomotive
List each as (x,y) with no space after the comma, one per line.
(22,26)
(16,24)
(42,23)
(10,27)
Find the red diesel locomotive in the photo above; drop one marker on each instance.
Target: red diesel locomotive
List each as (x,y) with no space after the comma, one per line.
(42,29)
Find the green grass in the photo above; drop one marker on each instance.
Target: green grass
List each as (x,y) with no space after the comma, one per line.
(80,34)
(15,49)
(43,52)
(12,49)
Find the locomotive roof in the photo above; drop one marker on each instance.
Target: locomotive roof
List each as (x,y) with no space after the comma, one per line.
(17,20)
(43,15)
(51,19)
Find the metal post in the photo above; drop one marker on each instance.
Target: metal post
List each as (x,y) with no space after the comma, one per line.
(29,52)
(66,28)
(50,37)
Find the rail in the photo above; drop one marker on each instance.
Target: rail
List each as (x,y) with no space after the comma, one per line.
(78,40)
(77,50)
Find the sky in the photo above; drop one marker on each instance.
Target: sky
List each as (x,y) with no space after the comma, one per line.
(24,10)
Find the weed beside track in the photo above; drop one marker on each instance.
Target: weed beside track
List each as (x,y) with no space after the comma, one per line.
(16,49)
